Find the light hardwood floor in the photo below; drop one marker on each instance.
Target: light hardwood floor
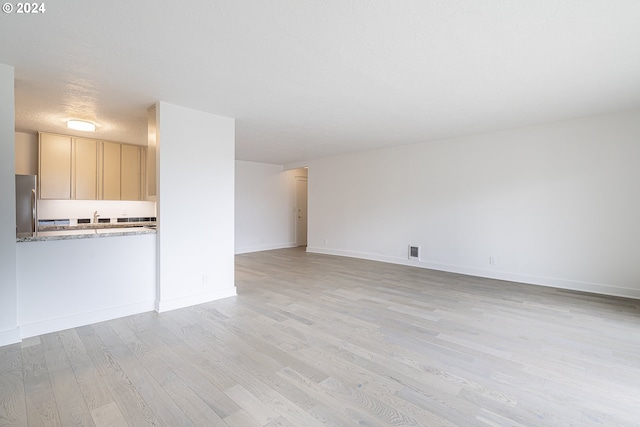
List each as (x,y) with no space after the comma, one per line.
(320,340)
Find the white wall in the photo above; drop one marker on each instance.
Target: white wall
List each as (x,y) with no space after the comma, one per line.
(8,313)
(195,206)
(554,205)
(67,283)
(265,200)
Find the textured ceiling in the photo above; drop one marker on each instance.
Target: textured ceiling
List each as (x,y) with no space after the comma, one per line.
(308,79)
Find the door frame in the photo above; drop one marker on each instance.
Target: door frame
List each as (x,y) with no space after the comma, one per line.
(299,178)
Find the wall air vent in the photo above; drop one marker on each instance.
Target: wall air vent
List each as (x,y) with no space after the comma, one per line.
(414,253)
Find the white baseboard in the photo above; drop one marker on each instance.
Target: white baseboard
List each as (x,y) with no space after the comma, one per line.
(261,248)
(191,300)
(10,336)
(552,282)
(67,322)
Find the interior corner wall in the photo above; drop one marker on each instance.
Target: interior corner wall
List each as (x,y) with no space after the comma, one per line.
(555,205)
(195,196)
(265,203)
(9,332)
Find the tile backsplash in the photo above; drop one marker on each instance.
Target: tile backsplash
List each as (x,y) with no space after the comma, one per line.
(74,209)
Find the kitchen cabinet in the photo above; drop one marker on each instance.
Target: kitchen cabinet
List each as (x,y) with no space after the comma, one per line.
(111,152)
(54,167)
(143,173)
(85,169)
(132,172)
(150,153)
(88,169)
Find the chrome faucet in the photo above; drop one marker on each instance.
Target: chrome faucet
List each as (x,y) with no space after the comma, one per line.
(95,216)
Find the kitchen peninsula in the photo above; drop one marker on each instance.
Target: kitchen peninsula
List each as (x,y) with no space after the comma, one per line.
(68,279)
(99,261)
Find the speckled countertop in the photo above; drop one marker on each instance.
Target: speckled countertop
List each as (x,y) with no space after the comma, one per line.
(85,233)
(96,225)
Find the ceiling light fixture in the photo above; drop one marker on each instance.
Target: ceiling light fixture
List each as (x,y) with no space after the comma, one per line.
(81,125)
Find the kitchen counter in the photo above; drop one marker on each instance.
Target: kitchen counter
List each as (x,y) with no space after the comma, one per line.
(83,231)
(81,279)
(96,225)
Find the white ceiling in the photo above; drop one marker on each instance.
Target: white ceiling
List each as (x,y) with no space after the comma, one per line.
(308,79)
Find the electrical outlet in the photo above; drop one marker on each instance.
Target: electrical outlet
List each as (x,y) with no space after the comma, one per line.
(492,260)
(326,241)
(205,279)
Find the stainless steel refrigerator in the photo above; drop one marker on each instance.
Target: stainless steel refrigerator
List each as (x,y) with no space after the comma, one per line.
(26,205)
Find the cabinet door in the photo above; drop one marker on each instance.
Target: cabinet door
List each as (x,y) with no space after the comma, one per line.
(55,167)
(110,171)
(150,153)
(130,172)
(143,173)
(85,169)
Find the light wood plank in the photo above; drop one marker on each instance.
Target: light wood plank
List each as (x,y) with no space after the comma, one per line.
(74,412)
(241,419)
(92,386)
(177,355)
(13,410)
(42,409)
(132,406)
(252,405)
(108,415)
(177,389)
(155,396)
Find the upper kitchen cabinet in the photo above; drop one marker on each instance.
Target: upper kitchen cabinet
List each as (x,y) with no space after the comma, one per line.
(54,167)
(152,144)
(132,172)
(88,169)
(111,153)
(85,169)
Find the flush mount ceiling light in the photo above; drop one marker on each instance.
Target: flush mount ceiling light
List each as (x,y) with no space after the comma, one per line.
(81,125)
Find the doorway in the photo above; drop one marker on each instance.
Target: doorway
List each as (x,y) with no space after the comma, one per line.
(301,210)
